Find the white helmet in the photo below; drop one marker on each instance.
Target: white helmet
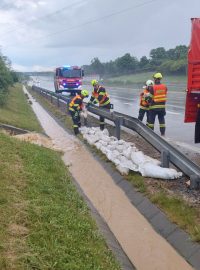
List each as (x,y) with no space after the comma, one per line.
(149,83)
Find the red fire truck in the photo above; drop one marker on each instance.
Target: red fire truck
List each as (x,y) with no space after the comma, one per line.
(192,109)
(68,79)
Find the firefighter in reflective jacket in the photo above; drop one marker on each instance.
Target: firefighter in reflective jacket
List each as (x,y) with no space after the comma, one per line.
(75,107)
(144,102)
(158,96)
(99,95)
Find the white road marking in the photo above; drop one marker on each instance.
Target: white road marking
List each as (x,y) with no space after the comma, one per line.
(128,104)
(176,106)
(172,112)
(118,97)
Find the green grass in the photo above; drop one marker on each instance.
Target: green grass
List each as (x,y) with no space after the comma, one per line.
(138,181)
(140,78)
(178,210)
(18,112)
(44,223)
(187,217)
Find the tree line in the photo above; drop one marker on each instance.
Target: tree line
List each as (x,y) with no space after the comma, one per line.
(7,78)
(172,61)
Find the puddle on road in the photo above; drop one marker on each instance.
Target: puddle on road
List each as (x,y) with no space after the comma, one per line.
(144,247)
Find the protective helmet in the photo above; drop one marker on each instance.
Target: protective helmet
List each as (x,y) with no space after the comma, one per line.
(85,93)
(94,82)
(157,76)
(149,83)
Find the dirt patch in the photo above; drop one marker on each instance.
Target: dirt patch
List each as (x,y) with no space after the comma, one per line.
(17,230)
(38,139)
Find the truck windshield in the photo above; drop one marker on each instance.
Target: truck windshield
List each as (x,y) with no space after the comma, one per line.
(70,73)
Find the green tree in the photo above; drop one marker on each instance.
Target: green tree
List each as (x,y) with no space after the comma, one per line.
(97,66)
(126,64)
(6,78)
(144,62)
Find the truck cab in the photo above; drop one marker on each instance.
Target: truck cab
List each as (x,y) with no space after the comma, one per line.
(68,79)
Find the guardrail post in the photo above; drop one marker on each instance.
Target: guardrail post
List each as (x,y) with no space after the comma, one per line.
(194,181)
(51,99)
(58,102)
(165,159)
(118,123)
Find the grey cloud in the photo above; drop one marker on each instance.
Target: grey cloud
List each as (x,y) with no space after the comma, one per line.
(51,33)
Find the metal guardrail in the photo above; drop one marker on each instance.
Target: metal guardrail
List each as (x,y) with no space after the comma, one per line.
(168,152)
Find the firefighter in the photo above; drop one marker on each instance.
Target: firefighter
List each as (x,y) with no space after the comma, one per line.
(99,95)
(158,98)
(75,107)
(144,102)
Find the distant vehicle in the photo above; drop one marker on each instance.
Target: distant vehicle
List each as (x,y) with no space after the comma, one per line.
(192,108)
(68,79)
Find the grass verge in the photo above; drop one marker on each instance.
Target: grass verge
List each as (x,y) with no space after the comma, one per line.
(18,112)
(176,208)
(44,223)
(140,78)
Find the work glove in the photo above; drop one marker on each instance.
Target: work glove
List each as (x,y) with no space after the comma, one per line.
(76,115)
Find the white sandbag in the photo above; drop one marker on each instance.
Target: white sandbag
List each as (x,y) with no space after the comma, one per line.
(138,158)
(103,143)
(98,145)
(116,161)
(120,148)
(113,139)
(116,153)
(122,170)
(92,139)
(121,142)
(111,147)
(105,132)
(154,171)
(127,152)
(103,149)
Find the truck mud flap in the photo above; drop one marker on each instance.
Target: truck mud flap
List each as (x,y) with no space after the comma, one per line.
(197,128)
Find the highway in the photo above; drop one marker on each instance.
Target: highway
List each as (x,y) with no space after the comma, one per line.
(126,100)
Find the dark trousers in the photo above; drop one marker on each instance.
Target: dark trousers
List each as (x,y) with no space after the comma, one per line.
(142,113)
(161,118)
(102,119)
(76,121)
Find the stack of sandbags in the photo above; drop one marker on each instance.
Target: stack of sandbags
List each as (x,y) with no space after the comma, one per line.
(126,156)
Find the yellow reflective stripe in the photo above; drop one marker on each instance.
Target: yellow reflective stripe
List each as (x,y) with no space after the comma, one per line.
(71,109)
(150,125)
(159,100)
(102,123)
(101,93)
(162,125)
(144,108)
(75,126)
(105,103)
(156,107)
(76,105)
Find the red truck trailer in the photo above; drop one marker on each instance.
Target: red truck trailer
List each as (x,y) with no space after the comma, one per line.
(192,108)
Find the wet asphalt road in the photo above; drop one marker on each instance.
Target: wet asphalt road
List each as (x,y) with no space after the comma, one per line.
(126,100)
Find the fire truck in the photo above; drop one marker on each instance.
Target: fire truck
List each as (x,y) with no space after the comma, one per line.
(192,108)
(68,79)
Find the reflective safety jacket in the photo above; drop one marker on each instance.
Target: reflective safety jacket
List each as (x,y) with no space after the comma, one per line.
(144,104)
(100,96)
(158,96)
(76,104)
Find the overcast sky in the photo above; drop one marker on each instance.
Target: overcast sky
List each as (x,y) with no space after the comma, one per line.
(43,34)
